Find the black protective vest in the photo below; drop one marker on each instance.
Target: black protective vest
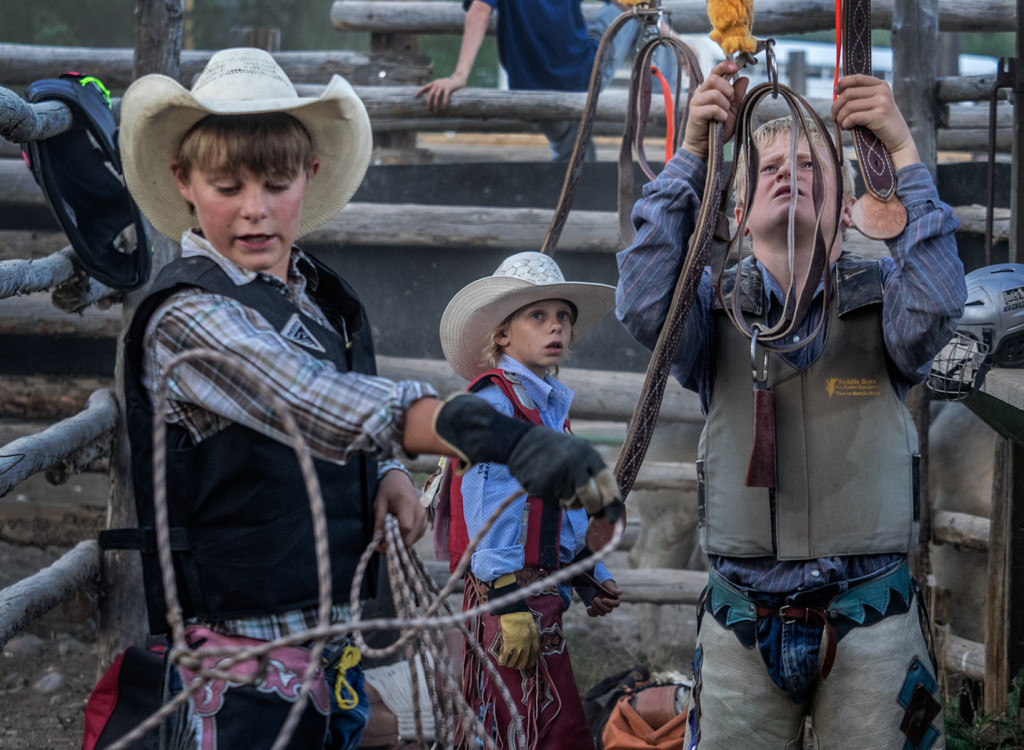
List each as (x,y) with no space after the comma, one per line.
(241,529)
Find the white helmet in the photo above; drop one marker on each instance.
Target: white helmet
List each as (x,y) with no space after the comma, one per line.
(994,313)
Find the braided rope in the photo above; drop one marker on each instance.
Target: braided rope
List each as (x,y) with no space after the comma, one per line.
(417,599)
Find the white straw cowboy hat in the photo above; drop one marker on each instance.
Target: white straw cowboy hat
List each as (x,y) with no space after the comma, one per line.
(157,111)
(520,280)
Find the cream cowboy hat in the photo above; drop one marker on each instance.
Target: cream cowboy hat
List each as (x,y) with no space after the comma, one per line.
(521,279)
(157,111)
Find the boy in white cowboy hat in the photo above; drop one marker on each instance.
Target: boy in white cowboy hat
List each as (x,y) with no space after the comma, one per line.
(237,169)
(507,334)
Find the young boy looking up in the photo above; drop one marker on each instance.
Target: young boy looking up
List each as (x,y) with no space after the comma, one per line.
(809,600)
(507,333)
(237,169)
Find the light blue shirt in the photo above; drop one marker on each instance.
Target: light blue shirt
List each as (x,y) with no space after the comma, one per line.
(485,486)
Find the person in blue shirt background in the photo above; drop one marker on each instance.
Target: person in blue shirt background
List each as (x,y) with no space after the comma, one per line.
(542,45)
(507,333)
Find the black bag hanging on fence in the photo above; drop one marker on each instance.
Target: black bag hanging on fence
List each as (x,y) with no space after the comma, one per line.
(80,174)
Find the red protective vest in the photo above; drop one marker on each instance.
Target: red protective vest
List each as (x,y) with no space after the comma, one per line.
(543,523)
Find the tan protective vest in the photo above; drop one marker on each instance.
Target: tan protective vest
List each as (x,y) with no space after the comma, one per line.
(846,447)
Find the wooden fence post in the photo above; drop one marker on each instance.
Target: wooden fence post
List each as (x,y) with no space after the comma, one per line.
(123,619)
(405,45)
(915,34)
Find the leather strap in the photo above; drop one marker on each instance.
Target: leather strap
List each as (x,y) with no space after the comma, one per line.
(575,169)
(645,416)
(791,613)
(637,112)
(872,157)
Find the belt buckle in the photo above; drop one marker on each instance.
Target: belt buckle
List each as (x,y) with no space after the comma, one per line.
(789,620)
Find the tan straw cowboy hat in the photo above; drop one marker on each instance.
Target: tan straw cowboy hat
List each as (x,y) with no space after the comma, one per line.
(157,111)
(520,280)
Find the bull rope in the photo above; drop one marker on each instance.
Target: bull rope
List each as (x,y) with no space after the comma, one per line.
(417,598)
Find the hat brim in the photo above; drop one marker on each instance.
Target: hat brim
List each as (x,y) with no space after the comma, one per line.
(481,305)
(157,111)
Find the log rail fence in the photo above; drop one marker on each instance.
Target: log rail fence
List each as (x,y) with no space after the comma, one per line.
(86,439)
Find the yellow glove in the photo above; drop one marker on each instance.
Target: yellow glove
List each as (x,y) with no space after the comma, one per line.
(520,640)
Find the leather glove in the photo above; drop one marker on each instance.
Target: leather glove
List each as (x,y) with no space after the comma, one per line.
(561,469)
(520,640)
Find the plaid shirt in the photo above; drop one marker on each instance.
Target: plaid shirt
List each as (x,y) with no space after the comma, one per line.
(338,414)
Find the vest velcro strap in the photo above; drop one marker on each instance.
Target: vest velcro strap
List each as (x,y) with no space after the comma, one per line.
(143,540)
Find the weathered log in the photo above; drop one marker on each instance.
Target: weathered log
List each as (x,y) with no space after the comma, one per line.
(20,64)
(600,394)
(49,525)
(35,315)
(686,16)
(959,655)
(28,455)
(654,475)
(21,121)
(639,585)
(960,530)
(30,244)
(972,219)
(26,276)
(25,600)
(46,397)
(967,88)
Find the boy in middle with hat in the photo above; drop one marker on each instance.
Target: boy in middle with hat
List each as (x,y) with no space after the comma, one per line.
(507,333)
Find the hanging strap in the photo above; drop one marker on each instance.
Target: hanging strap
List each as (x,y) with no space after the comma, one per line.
(637,112)
(878,214)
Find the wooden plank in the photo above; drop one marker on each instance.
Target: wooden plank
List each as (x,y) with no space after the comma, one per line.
(25,600)
(686,16)
(49,525)
(20,64)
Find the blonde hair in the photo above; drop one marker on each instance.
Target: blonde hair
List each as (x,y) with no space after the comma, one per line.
(493,350)
(769,133)
(272,144)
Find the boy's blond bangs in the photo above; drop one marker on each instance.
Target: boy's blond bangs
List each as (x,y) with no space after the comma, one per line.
(771,131)
(273,144)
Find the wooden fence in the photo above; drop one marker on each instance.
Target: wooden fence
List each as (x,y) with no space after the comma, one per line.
(69,447)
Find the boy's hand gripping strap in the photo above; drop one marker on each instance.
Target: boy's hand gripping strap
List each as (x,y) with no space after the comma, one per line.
(878,214)
(562,470)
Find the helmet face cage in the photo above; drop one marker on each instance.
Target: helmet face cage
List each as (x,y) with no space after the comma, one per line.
(958,369)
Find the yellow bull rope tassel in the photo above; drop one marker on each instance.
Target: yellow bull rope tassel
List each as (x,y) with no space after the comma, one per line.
(733,21)
(349,658)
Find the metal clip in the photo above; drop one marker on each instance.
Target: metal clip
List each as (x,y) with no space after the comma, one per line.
(760,379)
(773,67)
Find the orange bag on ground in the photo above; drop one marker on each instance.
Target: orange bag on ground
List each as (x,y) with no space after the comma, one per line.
(652,717)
